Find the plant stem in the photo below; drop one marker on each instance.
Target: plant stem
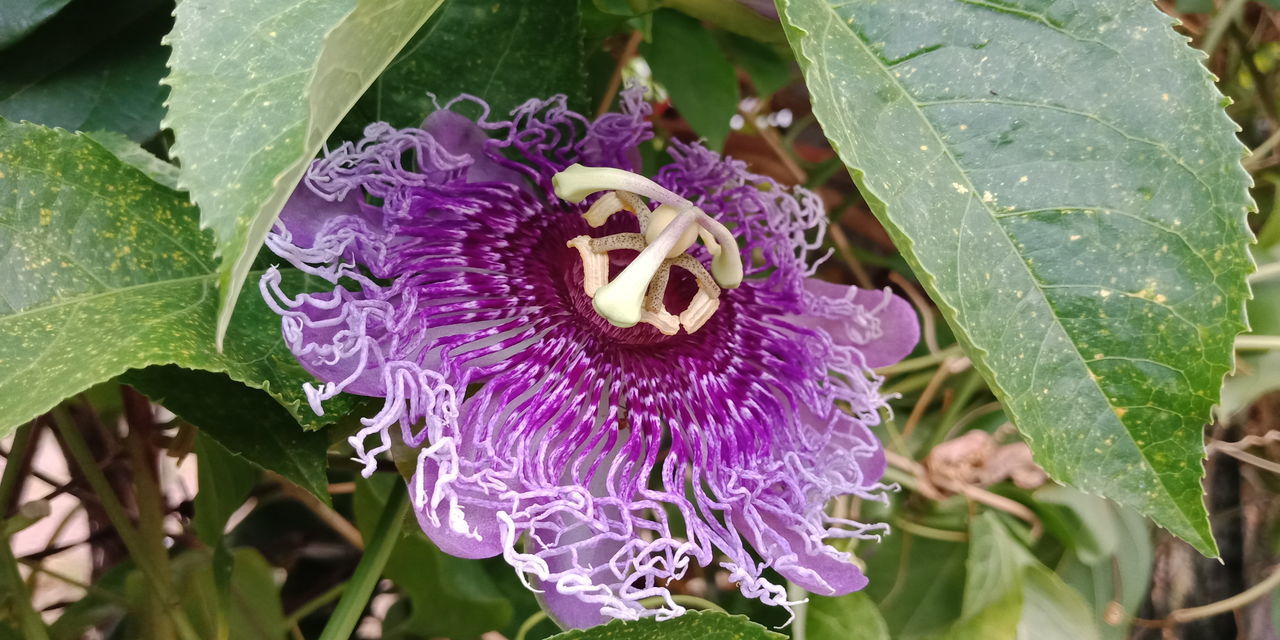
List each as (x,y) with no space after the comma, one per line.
(133,542)
(1263,587)
(29,621)
(107,594)
(311,606)
(694,602)
(1257,343)
(796,593)
(529,623)
(376,553)
(923,362)
(1219,24)
(1270,269)
(13,467)
(950,418)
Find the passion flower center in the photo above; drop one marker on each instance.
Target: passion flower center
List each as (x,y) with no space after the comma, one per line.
(666,235)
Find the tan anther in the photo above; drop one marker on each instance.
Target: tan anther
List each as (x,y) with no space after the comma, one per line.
(595,256)
(614,201)
(700,309)
(595,266)
(655,311)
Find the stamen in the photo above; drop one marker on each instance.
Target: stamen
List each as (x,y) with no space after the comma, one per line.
(577,182)
(636,294)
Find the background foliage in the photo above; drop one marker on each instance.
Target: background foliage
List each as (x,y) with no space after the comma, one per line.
(1058,190)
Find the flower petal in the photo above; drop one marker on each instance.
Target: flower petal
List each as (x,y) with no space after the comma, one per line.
(817,567)
(470,531)
(460,135)
(882,326)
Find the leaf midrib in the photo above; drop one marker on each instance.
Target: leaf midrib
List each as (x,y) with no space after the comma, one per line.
(101,294)
(946,150)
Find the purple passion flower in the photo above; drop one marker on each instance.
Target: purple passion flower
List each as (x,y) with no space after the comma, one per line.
(603,377)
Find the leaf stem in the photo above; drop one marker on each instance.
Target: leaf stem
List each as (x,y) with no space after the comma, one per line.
(933,533)
(29,621)
(376,553)
(923,362)
(797,593)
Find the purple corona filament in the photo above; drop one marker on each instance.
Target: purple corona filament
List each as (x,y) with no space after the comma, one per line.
(569,366)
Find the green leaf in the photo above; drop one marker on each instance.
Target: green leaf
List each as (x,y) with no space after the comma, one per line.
(449,597)
(20,17)
(1051,610)
(1085,523)
(1064,181)
(994,567)
(1122,577)
(225,480)
(702,84)
(251,429)
(255,610)
(850,617)
(105,270)
(114,86)
(502,52)
(1256,373)
(694,625)
(255,92)
(130,153)
(918,583)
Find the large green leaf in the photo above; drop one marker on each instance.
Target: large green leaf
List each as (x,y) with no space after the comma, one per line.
(130,153)
(20,17)
(1064,181)
(699,78)
(256,89)
(114,85)
(694,625)
(106,270)
(503,52)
